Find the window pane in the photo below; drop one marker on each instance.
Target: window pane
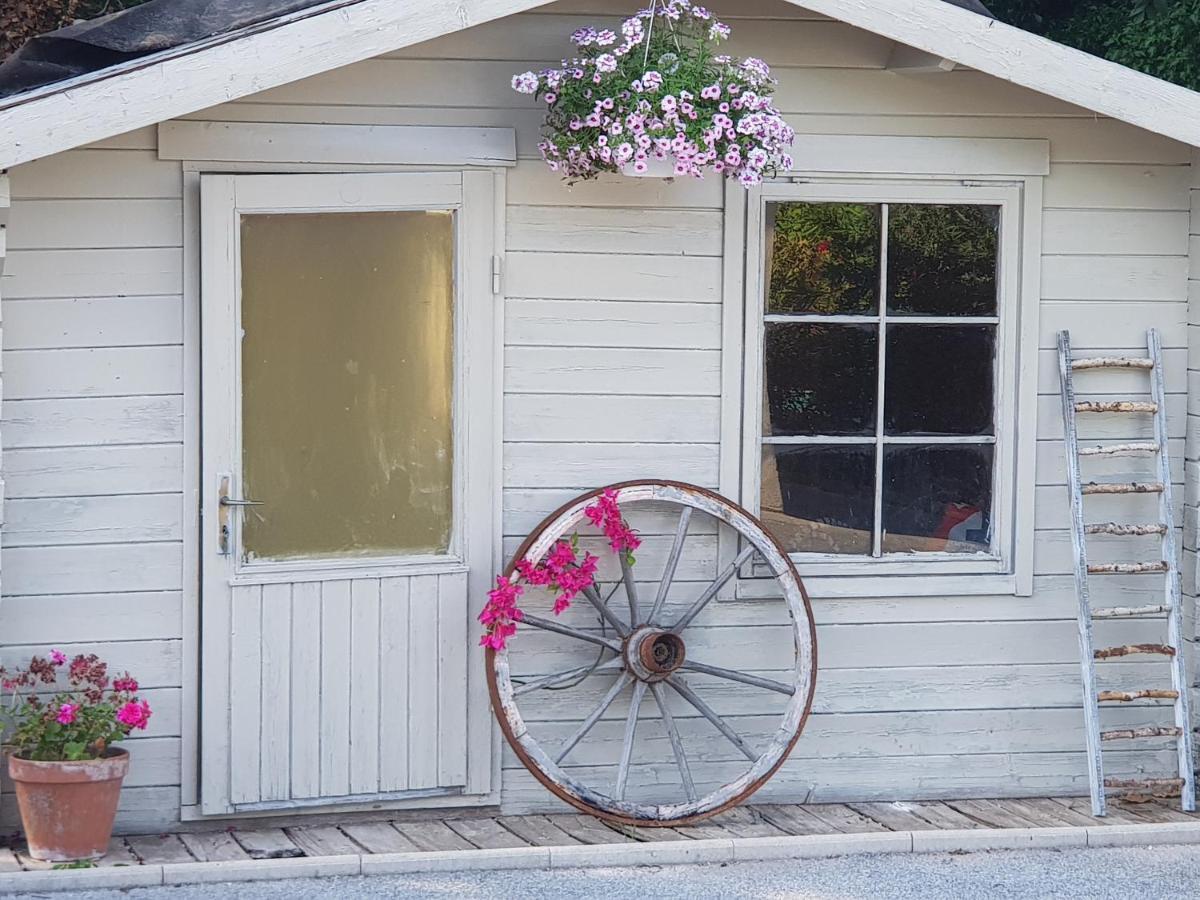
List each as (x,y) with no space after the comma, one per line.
(347,383)
(939,379)
(820,379)
(942,259)
(937,499)
(820,499)
(823,258)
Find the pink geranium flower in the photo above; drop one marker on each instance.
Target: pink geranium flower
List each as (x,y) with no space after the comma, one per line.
(66,713)
(135,715)
(58,657)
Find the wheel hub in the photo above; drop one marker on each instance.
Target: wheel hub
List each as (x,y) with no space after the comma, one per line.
(652,654)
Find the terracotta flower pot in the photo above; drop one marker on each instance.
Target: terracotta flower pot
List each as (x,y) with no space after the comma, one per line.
(67,808)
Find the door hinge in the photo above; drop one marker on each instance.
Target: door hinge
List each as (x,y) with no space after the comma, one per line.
(497,271)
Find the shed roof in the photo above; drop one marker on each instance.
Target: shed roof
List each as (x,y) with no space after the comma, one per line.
(142,72)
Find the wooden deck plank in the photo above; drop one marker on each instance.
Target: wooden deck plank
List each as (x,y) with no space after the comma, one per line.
(795,819)
(1155,812)
(1083,805)
(213,846)
(943,816)
(379,837)
(895,816)
(159,848)
(28,863)
(843,819)
(118,854)
(749,822)
(649,835)
(322,840)
(1055,814)
(537,830)
(486,834)
(433,836)
(267,843)
(587,829)
(992,813)
(9,861)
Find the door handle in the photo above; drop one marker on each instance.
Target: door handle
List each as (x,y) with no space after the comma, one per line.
(224,504)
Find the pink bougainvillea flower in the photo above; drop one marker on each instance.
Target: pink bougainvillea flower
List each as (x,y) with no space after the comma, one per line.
(135,715)
(66,713)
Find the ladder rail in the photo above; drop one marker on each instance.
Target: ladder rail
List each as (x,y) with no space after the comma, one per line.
(1091,706)
(1173,593)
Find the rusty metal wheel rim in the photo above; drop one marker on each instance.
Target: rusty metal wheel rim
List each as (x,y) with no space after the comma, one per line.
(651,685)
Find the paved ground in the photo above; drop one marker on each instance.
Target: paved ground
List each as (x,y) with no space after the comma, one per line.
(1122,874)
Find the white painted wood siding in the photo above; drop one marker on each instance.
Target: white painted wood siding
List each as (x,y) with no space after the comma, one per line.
(612,316)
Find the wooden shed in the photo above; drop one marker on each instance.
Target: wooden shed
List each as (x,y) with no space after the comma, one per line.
(555,338)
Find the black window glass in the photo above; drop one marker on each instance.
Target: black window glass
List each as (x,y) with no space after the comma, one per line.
(823,258)
(820,379)
(942,259)
(820,498)
(937,499)
(938,379)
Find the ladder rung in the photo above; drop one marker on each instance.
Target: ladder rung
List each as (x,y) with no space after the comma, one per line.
(1146,731)
(1112,362)
(1127,696)
(1149,785)
(1110,406)
(1146,568)
(1120,449)
(1129,612)
(1128,487)
(1130,649)
(1115,528)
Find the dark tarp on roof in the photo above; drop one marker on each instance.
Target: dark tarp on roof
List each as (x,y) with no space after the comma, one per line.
(151,28)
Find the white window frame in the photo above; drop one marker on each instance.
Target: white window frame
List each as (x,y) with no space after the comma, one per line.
(1009,568)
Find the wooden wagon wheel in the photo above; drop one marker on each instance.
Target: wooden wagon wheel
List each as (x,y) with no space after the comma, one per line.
(638,646)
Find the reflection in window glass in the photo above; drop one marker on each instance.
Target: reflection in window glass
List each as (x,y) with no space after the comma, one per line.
(823,258)
(937,498)
(820,379)
(942,259)
(347,383)
(938,379)
(820,499)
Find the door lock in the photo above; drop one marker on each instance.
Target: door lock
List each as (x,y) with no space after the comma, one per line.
(225,503)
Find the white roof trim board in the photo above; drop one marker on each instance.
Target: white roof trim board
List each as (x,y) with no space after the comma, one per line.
(186,79)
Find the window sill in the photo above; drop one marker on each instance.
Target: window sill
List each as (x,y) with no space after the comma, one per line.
(823,587)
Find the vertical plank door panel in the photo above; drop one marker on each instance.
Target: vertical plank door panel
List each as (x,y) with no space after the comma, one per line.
(423,614)
(393,677)
(452,679)
(275,756)
(245,692)
(365,709)
(306,690)
(335,688)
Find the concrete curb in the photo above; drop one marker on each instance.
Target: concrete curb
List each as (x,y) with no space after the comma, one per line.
(810,846)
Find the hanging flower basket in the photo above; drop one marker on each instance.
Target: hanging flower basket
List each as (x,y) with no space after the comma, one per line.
(660,93)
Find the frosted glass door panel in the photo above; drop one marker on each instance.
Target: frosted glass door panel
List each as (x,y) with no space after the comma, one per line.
(347,383)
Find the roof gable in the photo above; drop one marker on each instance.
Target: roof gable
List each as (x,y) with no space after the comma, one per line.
(341,32)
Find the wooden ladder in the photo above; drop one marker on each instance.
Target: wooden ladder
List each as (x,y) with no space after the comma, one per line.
(1167,565)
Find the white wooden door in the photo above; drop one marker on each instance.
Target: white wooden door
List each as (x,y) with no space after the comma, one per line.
(347,393)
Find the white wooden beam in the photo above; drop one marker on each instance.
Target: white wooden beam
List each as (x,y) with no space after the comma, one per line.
(359,144)
(1025,59)
(227,67)
(911,60)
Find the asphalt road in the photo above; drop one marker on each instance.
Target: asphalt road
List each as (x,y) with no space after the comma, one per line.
(1127,874)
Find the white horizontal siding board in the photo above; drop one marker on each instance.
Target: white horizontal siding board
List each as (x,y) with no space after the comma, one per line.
(156,663)
(1109,324)
(93,520)
(533,184)
(98,568)
(1130,381)
(627,419)
(77,472)
(1102,426)
(641,323)
(145,138)
(102,174)
(321,143)
(585,466)
(597,276)
(128,371)
(840,153)
(96,224)
(1073,186)
(614,230)
(70,618)
(93,322)
(92,421)
(1117,232)
(92,273)
(1114,277)
(606,371)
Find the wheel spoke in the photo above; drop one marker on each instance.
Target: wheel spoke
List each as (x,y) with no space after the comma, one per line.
(705,710)
(547,681)
(778,686)
(635,705)
(593,597)
(593,717)
(630,588)
(676,742)
(664,585)
(547,625)
(712,589)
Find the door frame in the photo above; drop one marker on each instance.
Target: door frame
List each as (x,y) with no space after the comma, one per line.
(484,525)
